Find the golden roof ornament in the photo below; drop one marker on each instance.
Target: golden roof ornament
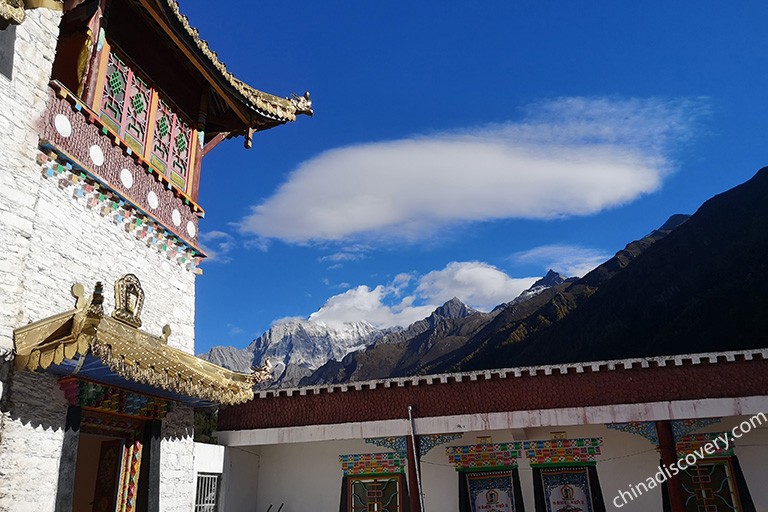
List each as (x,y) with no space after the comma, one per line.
(126,350)
(11,12)
(302,104)
(129,299)
(96,306)
(261,373)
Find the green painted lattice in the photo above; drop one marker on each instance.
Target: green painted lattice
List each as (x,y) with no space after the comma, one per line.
(138,103)
(116,82)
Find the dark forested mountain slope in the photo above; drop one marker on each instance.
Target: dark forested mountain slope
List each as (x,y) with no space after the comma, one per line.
(702,288)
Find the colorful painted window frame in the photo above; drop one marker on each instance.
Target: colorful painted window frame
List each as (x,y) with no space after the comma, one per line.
(375,493)
(145,118)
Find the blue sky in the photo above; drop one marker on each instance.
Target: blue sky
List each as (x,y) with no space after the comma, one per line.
(463,149)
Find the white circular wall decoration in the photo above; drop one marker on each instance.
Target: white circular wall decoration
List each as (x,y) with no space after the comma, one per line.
(126,177)
(97,155)
(176,217)
(152,200)
(62,125)
(191,229)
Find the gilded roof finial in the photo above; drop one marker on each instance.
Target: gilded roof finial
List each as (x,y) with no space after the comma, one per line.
(303,104)
(96,308)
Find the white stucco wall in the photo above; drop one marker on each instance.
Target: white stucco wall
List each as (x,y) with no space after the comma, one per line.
(303,476)
(30,444)
(209,458)
(22,102)
(177,461)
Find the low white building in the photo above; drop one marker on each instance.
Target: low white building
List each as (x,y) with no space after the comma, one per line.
(589,436)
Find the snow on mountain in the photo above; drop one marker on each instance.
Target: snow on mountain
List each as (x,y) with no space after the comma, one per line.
(296,347)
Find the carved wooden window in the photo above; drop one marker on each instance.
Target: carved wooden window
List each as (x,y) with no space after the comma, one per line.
(147,121)
(125,103)
(171,145)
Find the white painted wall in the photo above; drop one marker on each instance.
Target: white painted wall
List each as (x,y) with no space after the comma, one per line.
(31,425)
(240,481)
(177,461)
(22,103)
(30,444)
(303,476)
(209,458)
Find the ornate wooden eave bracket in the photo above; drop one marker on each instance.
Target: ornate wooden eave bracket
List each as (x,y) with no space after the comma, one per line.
(126,350)
(255,109)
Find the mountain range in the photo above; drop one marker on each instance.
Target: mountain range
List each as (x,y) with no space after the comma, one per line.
(695,284)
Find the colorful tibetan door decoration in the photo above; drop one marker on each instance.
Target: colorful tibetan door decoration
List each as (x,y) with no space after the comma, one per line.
(110,460)
(564,474)
(120,415)
(566,489)
(488,477)
(710,486)
(491,491)
(373,482)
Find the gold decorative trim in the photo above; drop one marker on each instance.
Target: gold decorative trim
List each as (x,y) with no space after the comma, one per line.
(54,5)
(282,109)
(127,351)
(12,11)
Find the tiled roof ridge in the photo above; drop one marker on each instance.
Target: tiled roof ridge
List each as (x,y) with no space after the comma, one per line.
(538,370)
(269,105)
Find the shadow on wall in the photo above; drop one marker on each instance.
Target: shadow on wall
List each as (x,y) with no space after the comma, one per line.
(35,400)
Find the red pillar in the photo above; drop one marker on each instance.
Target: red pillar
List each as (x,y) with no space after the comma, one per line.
(413,487)
(669,457)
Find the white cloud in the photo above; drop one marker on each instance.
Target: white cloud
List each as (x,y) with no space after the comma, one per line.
(477,284)
(572,156)
(571,260)
(405,300)
(217,244)
(234,330)
(365,304)
(350,253)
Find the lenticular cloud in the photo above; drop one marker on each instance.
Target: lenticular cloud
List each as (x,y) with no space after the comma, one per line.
(572,156)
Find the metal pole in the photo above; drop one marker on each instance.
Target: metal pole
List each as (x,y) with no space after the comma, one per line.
(415,451)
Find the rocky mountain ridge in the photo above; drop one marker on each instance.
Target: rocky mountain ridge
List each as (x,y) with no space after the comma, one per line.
(304,351)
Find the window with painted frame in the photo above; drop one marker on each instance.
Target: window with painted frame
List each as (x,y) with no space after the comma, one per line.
(374,493)
(715,484)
